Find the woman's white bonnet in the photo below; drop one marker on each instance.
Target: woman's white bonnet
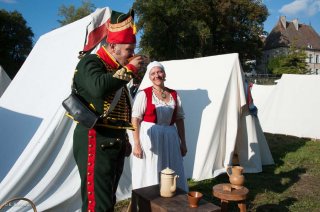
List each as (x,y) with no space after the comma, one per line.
(154,64)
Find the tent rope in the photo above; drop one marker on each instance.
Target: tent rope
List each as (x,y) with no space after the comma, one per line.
(18,198)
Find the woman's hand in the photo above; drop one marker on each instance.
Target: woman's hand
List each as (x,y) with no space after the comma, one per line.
(183,149)
(137,151)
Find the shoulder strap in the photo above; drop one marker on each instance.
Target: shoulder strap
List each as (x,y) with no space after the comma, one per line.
(113,103)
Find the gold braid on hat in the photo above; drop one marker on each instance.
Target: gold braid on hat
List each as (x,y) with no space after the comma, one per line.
(122,25)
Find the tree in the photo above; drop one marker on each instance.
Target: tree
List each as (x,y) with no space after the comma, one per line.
(292,63)
(15,41)
(191,28)
(71,14)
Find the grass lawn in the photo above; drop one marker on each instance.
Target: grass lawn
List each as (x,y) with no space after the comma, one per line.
(289,185)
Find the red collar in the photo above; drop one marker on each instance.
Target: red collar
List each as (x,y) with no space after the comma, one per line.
(107,58)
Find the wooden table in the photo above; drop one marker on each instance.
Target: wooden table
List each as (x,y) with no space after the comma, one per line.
(238,195)
(149,199)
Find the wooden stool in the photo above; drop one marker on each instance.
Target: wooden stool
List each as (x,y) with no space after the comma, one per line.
(237,195)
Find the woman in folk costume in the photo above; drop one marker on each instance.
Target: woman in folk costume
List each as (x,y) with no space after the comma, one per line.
(100,78)
(158,143)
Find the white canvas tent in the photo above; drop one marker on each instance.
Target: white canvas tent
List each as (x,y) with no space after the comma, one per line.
(4,81)
(217,121)
(291,107)
(260,94)
(36,137)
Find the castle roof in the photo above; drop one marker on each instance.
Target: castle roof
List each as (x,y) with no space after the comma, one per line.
(287,33)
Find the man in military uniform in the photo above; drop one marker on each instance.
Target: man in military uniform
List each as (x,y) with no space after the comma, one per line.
(99,152)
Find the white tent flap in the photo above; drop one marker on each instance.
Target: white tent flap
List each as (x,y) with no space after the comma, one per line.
(291,107)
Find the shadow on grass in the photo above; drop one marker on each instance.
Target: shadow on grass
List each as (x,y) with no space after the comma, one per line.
(282,206)
(267,184)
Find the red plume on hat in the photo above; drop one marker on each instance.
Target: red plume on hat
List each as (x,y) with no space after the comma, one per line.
(121,28)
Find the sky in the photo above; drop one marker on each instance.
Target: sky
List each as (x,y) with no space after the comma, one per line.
(42,16)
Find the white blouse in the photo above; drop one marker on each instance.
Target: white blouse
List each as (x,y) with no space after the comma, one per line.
(140,105)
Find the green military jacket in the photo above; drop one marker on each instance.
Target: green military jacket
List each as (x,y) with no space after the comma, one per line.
(96,81)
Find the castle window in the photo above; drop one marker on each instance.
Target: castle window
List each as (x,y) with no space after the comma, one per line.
(310,58)
(317,58)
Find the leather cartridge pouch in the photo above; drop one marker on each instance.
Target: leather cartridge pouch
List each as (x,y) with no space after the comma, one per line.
(79,110)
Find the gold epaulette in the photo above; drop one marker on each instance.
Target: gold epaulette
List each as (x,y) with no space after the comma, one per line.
(123,74)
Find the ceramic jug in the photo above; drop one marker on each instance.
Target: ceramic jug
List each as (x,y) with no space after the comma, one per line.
(168,181)
(235,176)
